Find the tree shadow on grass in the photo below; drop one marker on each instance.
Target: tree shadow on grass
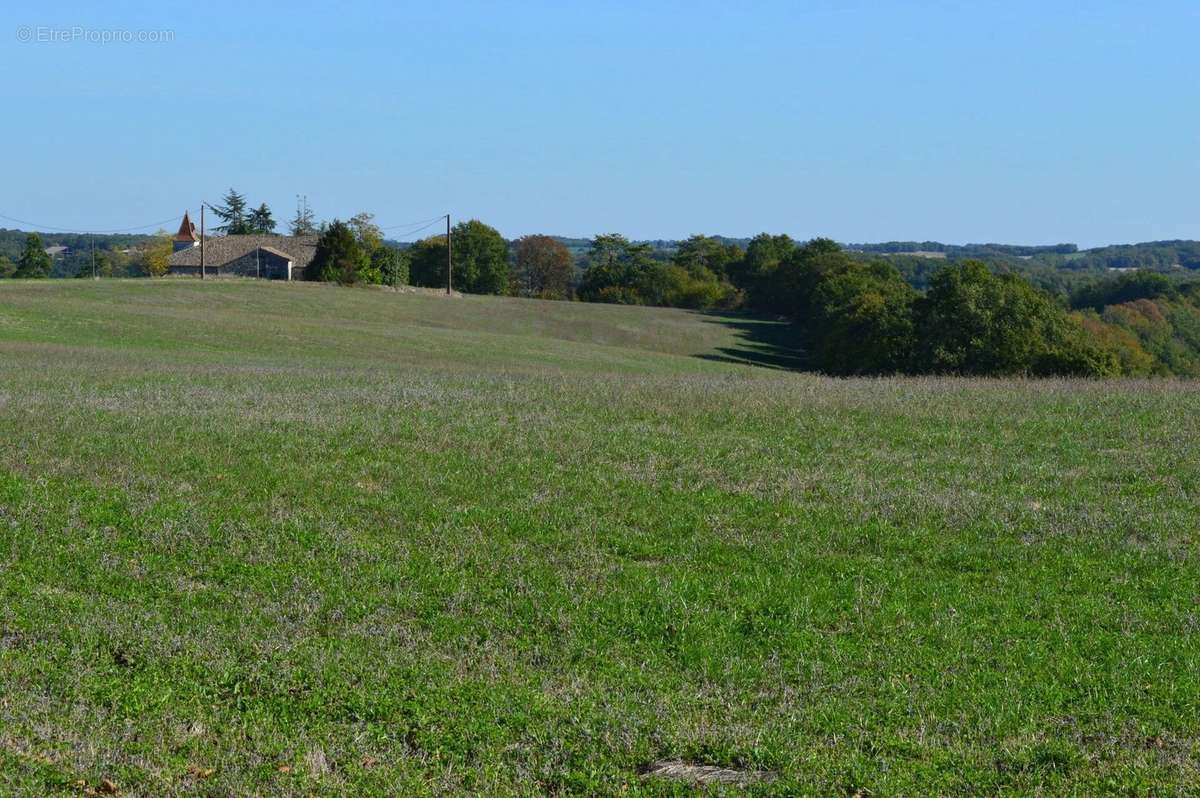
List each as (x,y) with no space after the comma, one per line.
(767,343)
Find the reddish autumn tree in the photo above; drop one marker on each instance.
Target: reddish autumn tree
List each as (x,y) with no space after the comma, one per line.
(543,267)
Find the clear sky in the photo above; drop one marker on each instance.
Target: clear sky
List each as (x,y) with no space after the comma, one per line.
(1018,122)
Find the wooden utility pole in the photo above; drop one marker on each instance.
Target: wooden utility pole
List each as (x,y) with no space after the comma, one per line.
(201,240)
(92,239)
(449,260)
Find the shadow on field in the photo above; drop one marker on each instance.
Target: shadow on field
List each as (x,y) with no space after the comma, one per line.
(764,342)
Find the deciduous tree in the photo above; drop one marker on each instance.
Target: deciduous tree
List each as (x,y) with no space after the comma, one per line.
(157,254)
(975,322)
(700,253)
(543,267)
(366,232)
(427,262)
(480,258)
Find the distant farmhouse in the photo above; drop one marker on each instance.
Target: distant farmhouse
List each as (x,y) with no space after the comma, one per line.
(267,256)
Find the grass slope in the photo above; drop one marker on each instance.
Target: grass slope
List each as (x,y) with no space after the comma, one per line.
(292,539)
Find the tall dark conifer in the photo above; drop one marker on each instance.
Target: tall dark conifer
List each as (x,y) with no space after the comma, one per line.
(234,215)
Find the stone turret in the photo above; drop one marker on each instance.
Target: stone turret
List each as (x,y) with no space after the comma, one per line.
(186,238)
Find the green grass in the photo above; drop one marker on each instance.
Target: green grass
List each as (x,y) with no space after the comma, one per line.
(325,541)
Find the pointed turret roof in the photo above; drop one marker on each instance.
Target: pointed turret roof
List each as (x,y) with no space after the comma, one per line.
(187,230)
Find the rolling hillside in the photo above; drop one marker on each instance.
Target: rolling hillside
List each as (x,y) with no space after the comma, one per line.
(296,539)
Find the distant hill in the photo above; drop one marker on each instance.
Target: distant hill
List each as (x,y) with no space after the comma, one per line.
(964,250)
(78,252)
(1157,255)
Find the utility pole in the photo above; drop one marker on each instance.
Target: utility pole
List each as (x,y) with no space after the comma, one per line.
(201,240)
(449,260)
(92,238)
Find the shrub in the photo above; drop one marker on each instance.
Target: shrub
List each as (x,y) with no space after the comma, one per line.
(339,258)
(392,265)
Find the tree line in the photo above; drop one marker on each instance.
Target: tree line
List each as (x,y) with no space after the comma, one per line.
(852,312)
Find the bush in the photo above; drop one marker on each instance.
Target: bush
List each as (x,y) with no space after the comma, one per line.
(339,258)
(392,265)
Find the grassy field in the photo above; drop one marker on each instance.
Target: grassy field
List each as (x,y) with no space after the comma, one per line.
(262,539)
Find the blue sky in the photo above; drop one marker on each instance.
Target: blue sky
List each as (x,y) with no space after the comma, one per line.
(1015,122)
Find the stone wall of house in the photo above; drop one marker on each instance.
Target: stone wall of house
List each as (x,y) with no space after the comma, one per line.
(258,264)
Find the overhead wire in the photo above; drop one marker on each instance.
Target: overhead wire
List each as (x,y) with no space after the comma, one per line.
(61,229)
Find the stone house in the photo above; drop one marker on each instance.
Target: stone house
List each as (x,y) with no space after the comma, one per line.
(269,257)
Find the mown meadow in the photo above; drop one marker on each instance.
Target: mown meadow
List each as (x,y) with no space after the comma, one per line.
(265,539)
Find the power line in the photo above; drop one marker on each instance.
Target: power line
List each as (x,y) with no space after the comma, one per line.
(416,230)
(58,229)
(424,222)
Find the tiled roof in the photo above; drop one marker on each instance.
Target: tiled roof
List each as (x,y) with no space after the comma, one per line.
(224,249)
(274,251)
(187,230)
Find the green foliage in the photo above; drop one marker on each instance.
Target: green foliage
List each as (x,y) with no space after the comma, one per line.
(786,286)
(34,262)
(480,258)
(1157,255)
(862,319)
(7,267)
(78,258)
(543,267)
(763,255)
(340,258)
(1167,329)
(859,316)
(113,263)
(304,223)
(392,265)
(1126,287)
(260,220)
(615,271)
(1123,343)
(427,262)
(156,254)
(707,258)
(972,251)
(625,273)
(233,213)
(975,322)
(366,232)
